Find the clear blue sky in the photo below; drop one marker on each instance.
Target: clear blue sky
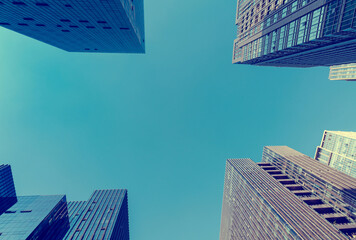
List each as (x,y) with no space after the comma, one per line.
(160,124)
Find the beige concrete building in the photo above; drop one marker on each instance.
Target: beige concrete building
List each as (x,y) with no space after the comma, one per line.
(338,150)
(346,72)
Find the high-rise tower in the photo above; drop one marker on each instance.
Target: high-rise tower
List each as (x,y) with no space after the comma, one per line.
(287,196)
(295,33)
(79,26)
(338,150)
(7,188)
(346,72)
(104,216)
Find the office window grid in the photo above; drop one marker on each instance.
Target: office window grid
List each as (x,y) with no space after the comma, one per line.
(245,214)
(34,217)
(297,43)
(343,72)
(103,216)
(332,186)
(85,26)
(338,151)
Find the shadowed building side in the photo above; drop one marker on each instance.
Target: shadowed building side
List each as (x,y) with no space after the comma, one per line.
(103,216)
(35,217)
(115,26)
(7,188)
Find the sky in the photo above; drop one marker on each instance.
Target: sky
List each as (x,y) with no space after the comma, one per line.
(160,124)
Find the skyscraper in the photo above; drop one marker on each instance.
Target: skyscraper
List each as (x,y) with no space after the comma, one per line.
(287,196)
(338,150)
(295,33)
(103,216)
(35,217)
(79,26)
(346,72)
(7,188)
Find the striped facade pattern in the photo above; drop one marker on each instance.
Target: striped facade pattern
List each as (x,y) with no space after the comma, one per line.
(295,33)
(35,217)
(78,26)
(294,216)
(7,188)
(328,192)
(104,216)
(246,214)
(345,72)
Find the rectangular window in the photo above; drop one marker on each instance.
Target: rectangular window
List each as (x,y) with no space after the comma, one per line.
(284,12)
(290,41)
(294,7)
(281,38)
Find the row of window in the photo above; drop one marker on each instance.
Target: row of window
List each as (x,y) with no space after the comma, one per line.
(43,25)
(294,33)
(23,211)
(40,4)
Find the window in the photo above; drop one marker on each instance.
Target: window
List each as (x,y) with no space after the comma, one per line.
(124,28)
(10,211)
(23,24)
(19,3)
(68,5)
(4,24)
(29,19)
(64,30)
(102,22)
(294,6)
(90,27)
(106,27)
(42,4)
(40,25)
(26,211)
(284,12)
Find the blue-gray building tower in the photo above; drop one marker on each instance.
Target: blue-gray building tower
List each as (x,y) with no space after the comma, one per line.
(295,33)
(103,216)
(112,26)
(7,188)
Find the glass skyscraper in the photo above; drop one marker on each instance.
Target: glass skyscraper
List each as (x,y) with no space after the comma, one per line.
(287,196)
(7,188)
(35,217)
(346,72)
(103,216)
(79,26)
(338,150)
(295,33)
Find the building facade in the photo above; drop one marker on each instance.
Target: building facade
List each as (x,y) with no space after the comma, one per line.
(7,188)
(104,216)
(35,217)
(295,33)
(338,150)
(115,26)
(346,72)
(286,196)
